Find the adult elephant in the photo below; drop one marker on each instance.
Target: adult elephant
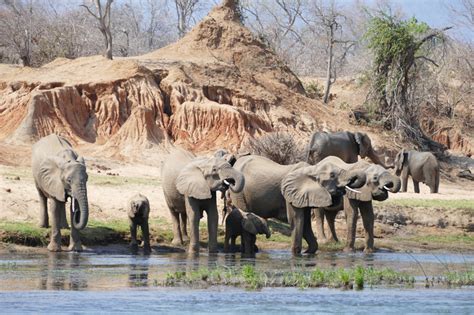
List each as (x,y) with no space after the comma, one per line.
(421,166)
(345,145)
(288,192)
(378,183)
(190,184)
(60,173)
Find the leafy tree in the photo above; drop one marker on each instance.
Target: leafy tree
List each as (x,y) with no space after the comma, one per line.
(401,49)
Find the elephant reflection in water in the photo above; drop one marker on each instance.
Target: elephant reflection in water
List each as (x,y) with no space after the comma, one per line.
(138,274)
(62,272)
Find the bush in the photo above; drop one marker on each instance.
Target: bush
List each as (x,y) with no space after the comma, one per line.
(280,147)
(313,90)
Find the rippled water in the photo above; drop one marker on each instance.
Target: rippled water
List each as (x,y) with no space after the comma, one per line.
(90,282)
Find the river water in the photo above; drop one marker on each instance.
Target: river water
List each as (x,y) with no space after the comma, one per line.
(93,282)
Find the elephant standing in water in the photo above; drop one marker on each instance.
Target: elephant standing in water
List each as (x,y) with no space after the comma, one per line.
(246,225)
(345,145)
(289,192)
(421,166)
(138,213)
(60,173)
(378,183)
(190,184)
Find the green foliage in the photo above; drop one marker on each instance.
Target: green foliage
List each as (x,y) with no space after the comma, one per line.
(314,90)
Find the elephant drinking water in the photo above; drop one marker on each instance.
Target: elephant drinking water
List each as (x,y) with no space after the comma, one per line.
(60,173)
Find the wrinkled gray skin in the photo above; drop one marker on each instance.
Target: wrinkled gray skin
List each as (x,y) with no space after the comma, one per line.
(59,173)
(190,184)
(288,192)
(378,183)
(246,225)
(345,145)
(138,212)
(421,166)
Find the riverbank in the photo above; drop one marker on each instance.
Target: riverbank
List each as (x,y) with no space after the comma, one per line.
(407,221)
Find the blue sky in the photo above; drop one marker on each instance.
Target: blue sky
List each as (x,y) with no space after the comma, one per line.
(435,13)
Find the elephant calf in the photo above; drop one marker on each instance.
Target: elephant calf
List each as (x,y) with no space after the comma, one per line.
(246,225)
(421,166)
(138,213)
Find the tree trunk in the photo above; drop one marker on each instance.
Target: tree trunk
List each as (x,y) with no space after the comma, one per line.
(329,68)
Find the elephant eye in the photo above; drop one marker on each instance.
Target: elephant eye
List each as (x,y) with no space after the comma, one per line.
(332,175)
(376,178)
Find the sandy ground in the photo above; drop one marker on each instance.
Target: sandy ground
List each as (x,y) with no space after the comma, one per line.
(111,184)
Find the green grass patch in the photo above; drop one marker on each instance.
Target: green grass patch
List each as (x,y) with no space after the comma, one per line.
(251,278)
(433,203)
(465,239)
(96,233)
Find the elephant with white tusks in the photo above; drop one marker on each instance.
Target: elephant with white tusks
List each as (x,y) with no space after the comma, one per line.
(289,192)
(60,173)
(421,166)
(190,184)
(379,182)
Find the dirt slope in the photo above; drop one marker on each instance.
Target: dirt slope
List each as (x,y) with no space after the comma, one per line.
(214,88)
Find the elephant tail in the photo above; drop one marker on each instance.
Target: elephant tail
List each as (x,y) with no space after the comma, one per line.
(436,188)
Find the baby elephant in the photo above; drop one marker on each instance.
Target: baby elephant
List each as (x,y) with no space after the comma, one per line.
(421,166)
(138,212)
(246,225)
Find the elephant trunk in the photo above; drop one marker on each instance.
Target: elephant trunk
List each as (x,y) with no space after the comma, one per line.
(391,183)
(353,179)
(80,214)
(235,178)
(376,159)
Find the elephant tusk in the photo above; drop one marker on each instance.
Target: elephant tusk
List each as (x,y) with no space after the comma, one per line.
(386,188)
(353,190)
(226,182)
(73,201)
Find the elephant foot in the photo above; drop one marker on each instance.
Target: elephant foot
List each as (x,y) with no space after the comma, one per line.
(77,247)
(64,226)
(147,249)
(349,249)
(176,242)
(369,250)
(53,247)
(311,250)
(134,247)
(213,249)
(43,225)
(192,249)
(296,250)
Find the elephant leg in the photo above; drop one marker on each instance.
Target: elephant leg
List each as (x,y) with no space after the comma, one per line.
(194,215)
(308,232)
(367,213)
(184,226)
(177,236)
(351,211)
(232,243)
(44,219)
(55,241)
(416,185)
(297,228)
(331,218)
(133,237)
(212,223)
(404,180)
(146,237)
(319,218)
(62,219)
(226,241)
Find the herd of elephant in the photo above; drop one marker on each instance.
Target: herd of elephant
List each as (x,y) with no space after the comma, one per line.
(256,188)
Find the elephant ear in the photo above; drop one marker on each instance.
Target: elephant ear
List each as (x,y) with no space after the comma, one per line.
(400,159)
(302,190)
(50,178)
(365,194)
(364,143)
(191,182)
(80,160)
(249,223)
